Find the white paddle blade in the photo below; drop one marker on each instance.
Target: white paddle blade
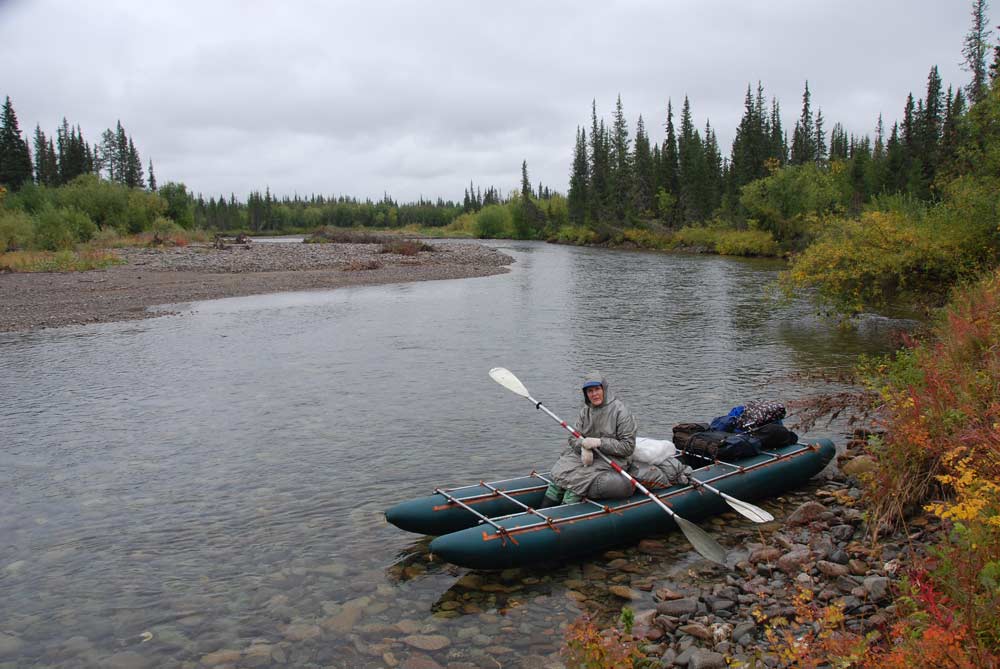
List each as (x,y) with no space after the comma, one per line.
(748,510)
(507,379)
(702,542)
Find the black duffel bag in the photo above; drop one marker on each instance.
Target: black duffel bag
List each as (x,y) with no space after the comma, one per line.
(684,431)
(723,445)
(775,435)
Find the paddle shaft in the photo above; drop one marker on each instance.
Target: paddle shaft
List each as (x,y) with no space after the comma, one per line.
(614,465)
(747,510)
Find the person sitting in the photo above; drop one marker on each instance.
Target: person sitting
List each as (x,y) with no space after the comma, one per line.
(607,426)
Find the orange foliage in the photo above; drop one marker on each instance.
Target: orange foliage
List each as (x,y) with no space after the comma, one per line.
(587,647)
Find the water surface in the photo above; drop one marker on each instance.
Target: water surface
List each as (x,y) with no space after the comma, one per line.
(214,481)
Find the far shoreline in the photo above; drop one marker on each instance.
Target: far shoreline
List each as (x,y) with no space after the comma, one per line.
(158,277)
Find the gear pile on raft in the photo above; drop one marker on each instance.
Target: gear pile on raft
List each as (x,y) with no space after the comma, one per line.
(636,487)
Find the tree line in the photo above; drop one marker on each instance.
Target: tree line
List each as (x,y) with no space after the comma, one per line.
(618,179)
(58,162)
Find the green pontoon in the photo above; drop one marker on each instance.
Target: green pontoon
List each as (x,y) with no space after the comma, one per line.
(497,525)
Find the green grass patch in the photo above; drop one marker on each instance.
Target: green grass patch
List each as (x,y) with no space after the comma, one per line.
(57,261)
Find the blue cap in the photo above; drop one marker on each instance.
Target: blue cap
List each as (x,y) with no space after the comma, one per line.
(591,384)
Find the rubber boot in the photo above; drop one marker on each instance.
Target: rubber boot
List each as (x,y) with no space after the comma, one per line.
(548,502)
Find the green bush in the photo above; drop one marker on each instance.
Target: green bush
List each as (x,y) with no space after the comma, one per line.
(16,230)
(786,202)
(746,243)
(31,198)
(494,221)
(180,204)
(576,234)
(647,239)
(111,205)
(61,228)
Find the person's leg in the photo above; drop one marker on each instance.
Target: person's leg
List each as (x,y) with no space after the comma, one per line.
(610,485)
(571,497)
(553,496)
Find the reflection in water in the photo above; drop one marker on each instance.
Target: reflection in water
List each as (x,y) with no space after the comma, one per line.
(214,482)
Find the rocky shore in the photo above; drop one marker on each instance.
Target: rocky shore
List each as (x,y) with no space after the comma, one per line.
(157,276)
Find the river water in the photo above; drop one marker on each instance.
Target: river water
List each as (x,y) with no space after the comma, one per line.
(208,488)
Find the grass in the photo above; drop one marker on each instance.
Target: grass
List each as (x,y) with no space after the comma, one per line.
(57,261)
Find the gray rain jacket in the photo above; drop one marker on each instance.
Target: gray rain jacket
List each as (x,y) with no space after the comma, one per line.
(616,427)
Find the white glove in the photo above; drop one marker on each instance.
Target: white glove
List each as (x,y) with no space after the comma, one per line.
(590,443)
(587,457)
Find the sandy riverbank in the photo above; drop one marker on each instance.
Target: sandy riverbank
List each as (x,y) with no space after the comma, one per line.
(154,277)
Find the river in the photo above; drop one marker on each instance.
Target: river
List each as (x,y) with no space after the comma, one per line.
(209,487)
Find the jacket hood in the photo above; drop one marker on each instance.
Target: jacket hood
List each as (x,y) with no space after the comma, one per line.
(599,378)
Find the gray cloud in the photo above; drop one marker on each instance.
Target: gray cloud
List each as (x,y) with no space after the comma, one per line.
(416,99)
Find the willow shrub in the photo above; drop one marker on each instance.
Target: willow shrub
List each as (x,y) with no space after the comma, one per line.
(902,250)
(62,228)
(866,264)
(728,242)
(16,230)
(576,234)
(494,221)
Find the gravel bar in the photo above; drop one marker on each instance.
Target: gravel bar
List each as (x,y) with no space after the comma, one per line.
(157,276)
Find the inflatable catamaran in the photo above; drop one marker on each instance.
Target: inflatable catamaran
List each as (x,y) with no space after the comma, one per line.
(497,525)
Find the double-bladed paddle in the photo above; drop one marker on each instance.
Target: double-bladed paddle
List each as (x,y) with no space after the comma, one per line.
(702,542)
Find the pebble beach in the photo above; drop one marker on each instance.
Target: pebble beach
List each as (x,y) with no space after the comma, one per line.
(158,276)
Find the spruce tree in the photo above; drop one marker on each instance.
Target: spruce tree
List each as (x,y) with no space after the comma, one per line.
(751,144)
(599,170)
(877,166)
(108,153)
(819,143)
(669,167)
(803,138)
(15,155)
(951,131)
(577,196)
(644,182)
(621,164)
(778,144)
(691,163)
(929,134)
(712,188)
(46,167)
(133,167)
(974,50)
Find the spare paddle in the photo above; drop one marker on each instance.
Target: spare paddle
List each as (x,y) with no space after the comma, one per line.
(702,542)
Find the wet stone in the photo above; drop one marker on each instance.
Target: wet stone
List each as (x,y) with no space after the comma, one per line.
(667,594)
(792,561)
(696,630)
(428,642)
(678,607)
(832,569)
(624,592)
(742,629)
(858,567)
(419,661)
(221,657)
(470,582)
(706,659)
(765,554)
(877,587)
(128,660)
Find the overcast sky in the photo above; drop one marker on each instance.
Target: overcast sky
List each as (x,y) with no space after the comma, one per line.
(419,98)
